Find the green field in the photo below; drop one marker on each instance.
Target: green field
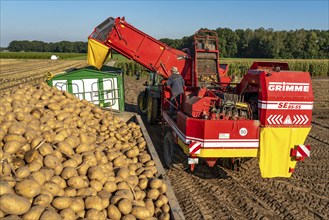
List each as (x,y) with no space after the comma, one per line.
(237,66)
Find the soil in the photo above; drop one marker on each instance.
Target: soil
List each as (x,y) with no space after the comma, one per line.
(220,193)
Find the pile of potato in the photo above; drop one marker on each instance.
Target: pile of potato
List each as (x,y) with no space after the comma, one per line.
(65,158)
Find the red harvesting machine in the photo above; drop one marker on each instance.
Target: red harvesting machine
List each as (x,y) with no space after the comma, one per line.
(267,115)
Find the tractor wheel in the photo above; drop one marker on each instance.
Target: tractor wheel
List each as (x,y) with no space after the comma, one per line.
(152,110)
(168,149)
(141,100)
(172,152)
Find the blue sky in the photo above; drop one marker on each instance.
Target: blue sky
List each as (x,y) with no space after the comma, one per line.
(53,21)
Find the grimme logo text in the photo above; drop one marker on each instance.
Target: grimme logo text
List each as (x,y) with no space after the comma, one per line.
(289,87)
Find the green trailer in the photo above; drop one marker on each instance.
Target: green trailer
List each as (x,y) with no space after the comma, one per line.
(104,87)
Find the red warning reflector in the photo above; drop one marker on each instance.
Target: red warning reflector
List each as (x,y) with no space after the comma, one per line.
(195,147)
(303,151)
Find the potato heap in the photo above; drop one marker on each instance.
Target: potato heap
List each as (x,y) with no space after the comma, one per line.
(65,158)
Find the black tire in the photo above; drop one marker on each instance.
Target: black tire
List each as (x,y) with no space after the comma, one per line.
(152,110)
(172,152)
(168,149)
(141,101)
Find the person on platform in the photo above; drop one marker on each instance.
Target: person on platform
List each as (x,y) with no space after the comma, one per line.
(176,84)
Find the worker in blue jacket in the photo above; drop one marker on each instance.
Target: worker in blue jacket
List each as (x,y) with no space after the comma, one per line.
(176,84)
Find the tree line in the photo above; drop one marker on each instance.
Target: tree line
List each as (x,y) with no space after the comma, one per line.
(258,43)
(40,46)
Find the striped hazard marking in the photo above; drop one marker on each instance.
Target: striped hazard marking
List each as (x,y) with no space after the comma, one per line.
(194,147)
(301,151)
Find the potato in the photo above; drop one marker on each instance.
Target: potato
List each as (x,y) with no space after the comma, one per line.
(51,187)
(51,161)
(77,204)
(83,147)
(97,185)
(57,154)
(123,172)
(73,141)
(22,205)
(59,181)
(144,158)
(95,214)
(125,194)
(125,206)
(71,163)
(23,172)
(11,147)
(14,137)
(65,148)
(139,194)
(155,183)
(42,199)
(165,208)
(110,186)
(86,192)
(70,192)
(95,173)
(78,182)
(163,188)
(61,202)
(119,162)
(150,206)
(113,212)
(36,141)
(128,217)
(69,172)
(39,177)
(104,194)
(153,194)
(5,188)
(28,188)
(143,183)
(47,172)
(140,212)
(93,202)
(132,152)
(54,106)
(34,212)
(158,203)
(68,214)
(132,180)
(45,149)
(50,215)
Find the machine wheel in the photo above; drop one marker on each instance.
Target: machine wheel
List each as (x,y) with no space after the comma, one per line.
(172,152)
(152,110)
(141,100)
(168,149)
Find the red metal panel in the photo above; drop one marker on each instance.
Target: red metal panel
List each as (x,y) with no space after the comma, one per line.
(286,99)
(147,51)
(221,129)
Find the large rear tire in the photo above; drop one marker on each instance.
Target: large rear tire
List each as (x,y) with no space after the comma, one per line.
(152,110)
(141,100)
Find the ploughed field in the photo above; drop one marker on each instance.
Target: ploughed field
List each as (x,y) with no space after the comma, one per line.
(219,193)
(14,72)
